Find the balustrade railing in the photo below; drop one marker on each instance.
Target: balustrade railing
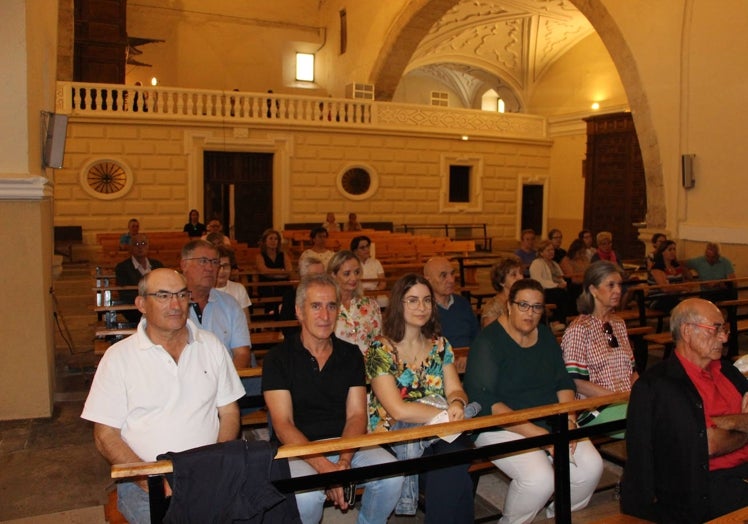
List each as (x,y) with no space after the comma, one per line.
(235,107)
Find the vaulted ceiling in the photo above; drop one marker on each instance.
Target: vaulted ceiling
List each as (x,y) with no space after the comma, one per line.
(506,45)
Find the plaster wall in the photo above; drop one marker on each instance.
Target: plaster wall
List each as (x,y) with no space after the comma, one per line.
(26,86)
(409,170)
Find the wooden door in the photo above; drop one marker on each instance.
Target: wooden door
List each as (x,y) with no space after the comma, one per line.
(238,189)
(615,188)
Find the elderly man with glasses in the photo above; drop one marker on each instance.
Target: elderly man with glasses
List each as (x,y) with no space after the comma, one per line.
(169,387)
(130,271)
(211,309)
(687,432)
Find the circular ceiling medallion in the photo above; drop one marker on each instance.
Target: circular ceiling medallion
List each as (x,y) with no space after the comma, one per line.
(358,181)
(106,178)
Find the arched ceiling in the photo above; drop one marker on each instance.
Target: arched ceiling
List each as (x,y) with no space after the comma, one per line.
(506,45)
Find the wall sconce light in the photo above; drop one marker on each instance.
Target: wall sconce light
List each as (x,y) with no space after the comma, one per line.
(305,67)
(154,81)
(595,106)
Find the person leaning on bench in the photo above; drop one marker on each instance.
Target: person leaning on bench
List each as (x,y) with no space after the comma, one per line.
(687,427)
(315,388)
(169,387)
(514,364)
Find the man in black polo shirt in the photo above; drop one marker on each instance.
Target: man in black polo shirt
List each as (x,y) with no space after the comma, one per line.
(315,388)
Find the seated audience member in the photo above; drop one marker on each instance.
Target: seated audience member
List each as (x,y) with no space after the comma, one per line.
(596,346)
(687,430)
(273,264)
(657,240)
(130,271)
(315,388)
(329,224)
(214,310)
(526,250)
(133,227)
(193,227)
(549,274)
(319,250)
(307,266)
(458,322)
(214,226)
(359,318)
(713,266)
(223,282)
(574,264)
(218,239)
(514,364)
(353,224)
(585,236)
(666,270)
(168,387)
(503,274)
(413,380)
(361,246)
(211,309)
(556,237)
(605,249)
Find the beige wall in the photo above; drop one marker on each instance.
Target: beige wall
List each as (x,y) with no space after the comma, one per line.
(27,87)
(166,162)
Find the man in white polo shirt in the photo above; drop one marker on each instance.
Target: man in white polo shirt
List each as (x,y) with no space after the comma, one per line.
(168,387)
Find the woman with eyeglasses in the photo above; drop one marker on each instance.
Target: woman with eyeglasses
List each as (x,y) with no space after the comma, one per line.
(596,346)
(359,317)
(414,381)
(515,364)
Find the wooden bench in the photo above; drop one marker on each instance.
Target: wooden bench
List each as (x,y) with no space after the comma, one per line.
(559,437)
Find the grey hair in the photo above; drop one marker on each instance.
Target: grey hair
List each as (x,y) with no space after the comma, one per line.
(593,276)
(191,246)
(320,279)
(143,283)
(306,263)
(682,314)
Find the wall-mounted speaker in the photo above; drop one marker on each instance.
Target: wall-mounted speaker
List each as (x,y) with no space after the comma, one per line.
(54,141)
(686,170)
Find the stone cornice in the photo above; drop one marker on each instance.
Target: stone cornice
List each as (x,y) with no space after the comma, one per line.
(26,188)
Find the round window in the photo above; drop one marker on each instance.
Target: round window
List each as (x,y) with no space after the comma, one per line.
(106,178)
(357,181)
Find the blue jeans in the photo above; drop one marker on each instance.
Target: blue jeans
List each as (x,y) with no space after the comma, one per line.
(379,497)
(408,502)
(132,502)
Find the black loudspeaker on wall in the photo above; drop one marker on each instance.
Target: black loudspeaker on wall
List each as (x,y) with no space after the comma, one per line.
(686,169)
(54,142)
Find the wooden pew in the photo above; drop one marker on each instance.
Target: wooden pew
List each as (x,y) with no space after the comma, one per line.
(559,437)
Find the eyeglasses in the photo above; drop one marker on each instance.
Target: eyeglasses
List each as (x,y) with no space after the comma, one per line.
(363,246)
(524,307)
(204,261)
(167,296)
(412,303)
(717,328)
(612,340)
(140,244)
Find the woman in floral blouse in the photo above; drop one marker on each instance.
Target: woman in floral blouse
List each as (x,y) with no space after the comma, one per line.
(414,380)
(359,318)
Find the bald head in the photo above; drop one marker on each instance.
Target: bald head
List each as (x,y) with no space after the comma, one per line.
(440,273)
(699,331)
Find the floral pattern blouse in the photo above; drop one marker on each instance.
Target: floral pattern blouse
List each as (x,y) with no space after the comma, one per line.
(359,323)
(414,384)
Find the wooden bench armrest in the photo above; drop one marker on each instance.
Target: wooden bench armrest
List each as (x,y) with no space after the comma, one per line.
(389,437)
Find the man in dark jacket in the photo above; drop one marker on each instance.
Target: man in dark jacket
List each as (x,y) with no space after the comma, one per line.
(130,271)
(687,432)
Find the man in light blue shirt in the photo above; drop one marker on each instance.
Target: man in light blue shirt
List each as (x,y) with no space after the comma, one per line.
(712,266)
(216,311)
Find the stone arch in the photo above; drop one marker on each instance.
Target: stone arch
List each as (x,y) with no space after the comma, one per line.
(419,16)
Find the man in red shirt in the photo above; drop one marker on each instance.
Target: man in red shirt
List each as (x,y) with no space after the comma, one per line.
(687,432)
